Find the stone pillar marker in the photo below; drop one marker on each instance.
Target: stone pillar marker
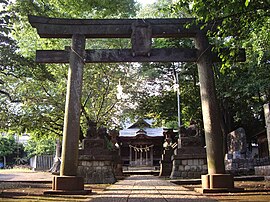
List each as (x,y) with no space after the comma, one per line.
(216,177)
(68,180)
(267,122)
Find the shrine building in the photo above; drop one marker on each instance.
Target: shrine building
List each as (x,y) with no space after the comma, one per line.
(141,145)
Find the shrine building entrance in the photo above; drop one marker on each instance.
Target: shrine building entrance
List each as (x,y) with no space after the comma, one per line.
(141,145)
(141,155)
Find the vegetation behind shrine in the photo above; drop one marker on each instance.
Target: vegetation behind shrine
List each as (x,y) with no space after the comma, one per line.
(32,96)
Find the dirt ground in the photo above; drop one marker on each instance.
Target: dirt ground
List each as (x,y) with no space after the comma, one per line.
(29,186)
(22,191)
(253,191)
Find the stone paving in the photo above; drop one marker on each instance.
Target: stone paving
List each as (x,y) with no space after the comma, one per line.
(140,188)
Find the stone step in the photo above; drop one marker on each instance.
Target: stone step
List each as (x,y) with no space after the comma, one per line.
(141,172)
(141,168)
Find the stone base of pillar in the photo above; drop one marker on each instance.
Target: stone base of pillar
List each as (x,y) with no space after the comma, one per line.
(68,185)
(212,181)
(216,183)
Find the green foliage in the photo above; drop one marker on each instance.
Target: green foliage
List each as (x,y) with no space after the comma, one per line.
(11,150)
(160,103)
(40,90)
(16,75)
(7,145)
(161,107)
(242,88)
(171,124)
(40,146)
(76,9)
(32,97)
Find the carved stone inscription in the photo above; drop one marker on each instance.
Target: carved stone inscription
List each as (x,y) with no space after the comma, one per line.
(141,39)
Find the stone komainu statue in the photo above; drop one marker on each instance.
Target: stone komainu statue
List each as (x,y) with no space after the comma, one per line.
(92,130)
(190,136)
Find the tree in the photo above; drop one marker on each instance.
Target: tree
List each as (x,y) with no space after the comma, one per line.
(161,103)
(242,88)
(100,102)
(7,146)
(42,89)
(155,97)
(14,71)
(40,146)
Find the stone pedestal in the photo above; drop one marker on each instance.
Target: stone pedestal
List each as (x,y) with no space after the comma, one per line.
(189,162)
(166,162)
(68,185)
(216,183)
(96,162)
(96,169)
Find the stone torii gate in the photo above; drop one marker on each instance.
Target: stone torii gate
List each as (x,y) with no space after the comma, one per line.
(141,32)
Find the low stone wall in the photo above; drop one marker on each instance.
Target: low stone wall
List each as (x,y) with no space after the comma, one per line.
(262,170)
(245,166)
(189,168)
(190,163)
(97,170)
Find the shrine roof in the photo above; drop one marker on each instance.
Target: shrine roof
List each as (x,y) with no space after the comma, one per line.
(131,132)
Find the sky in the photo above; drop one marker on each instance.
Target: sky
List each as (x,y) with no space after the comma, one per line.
(144,2)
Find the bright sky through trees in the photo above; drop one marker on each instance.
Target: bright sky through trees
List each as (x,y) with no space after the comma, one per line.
(145,2)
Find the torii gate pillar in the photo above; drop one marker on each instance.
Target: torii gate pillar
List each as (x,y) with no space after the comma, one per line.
(68,181)
(216,177)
